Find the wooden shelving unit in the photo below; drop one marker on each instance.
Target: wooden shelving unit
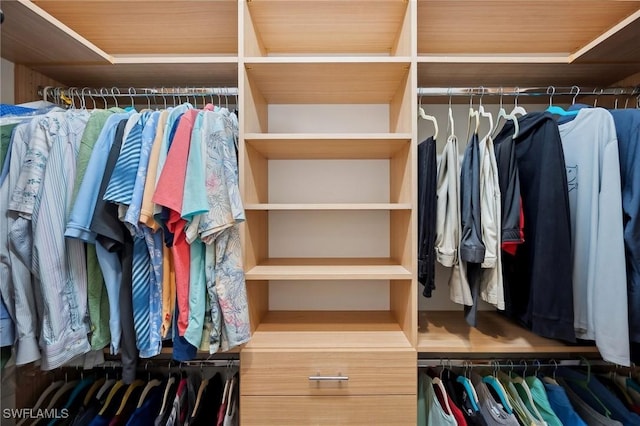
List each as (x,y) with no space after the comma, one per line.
(350,54)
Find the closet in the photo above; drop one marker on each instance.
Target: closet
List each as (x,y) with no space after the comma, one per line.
(328,132)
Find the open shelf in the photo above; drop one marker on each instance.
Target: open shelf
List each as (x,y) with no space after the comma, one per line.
(328,269)
(328,329)
(327,146)
(356,26)
(328,206)
(31,35)
(446,332)
(522,71)
(496,27)
(316,81)
(163,27)
(153,71)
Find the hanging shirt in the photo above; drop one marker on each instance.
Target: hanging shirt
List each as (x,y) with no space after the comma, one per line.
(448,226)
(427,200)
(541,401)
(586,411)
(58,263)
(627,123)
(561,405)
(15,275)
(147,207)
(98,300)
(538,279)
(432,413)
(599,274)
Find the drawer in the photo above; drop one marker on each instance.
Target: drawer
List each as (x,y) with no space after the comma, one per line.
(336,373)
(328,410)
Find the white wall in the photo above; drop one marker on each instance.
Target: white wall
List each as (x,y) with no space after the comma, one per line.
(6,86)
(343,234)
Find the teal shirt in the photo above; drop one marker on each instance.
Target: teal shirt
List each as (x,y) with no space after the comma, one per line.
(541,401)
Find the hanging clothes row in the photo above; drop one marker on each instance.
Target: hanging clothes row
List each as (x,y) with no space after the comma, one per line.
(540,220)
(508,394)
(120,228)
(186,396)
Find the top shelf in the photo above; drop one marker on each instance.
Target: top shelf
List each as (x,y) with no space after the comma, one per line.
(327,27)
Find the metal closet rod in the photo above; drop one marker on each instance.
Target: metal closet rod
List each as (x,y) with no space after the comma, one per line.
(529,363)
(174,364)
(130,92)
(529,91)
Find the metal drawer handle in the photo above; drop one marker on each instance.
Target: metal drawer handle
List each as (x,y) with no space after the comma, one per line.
(338,378)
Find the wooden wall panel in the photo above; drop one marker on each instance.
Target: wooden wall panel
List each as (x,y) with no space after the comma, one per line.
(27,82)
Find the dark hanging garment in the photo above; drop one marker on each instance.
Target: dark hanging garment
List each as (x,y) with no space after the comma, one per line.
(538,279)
(427,198)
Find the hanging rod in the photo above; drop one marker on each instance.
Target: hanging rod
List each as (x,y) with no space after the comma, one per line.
(529,91)
(528,363)
(145,364)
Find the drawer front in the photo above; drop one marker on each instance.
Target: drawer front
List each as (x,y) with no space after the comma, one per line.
(328,373)
(328,410)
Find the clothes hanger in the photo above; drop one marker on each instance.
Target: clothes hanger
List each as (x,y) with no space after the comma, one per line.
(472,114)
(65,388)
(495,384)
(471,391)
(150,385)
(585,385)
(502,114)
(93,389)
(555,109)
(450,124)
(112,393)
(430,118)
(203,385)
(522,387)
(517,109)
(132,387)
(53,386)
(165,397)
(485,114)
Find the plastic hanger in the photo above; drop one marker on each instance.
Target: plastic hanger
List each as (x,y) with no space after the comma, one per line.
(111,396)
(108,384)
(472,114)
(66,387)
(132,387)
(585,385)
(525,393)
(517,109)
(502,114)
(555,109)
(150,385)
(41,400)
(437,382)
(483,113)
(495,384)
(430,118)
(471,391)
(203,385)
(165,396)
(93,389)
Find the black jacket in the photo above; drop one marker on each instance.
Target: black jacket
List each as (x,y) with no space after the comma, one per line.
(538,279)
(427,188)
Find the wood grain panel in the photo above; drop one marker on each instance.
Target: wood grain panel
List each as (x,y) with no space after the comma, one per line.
(620,44)
(328,269)
(31,35)
(498,26)
(147,74)
(287,373)
(327,146)
(151,27)
(26,83)
(327,83)
(388,410)
(446,332)
(456,74)
(356,26)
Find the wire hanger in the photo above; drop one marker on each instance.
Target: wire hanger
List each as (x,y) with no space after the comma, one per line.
(573,101)
(430,118)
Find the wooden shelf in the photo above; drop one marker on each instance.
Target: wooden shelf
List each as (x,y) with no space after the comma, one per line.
(446,332)
(31,35)
(158,71)
(495,27)
(328,269)
(166,27)
(619,44)
(318,81)
(337,330)
(301,27)
(331,206)
(327,146)
(522,71)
